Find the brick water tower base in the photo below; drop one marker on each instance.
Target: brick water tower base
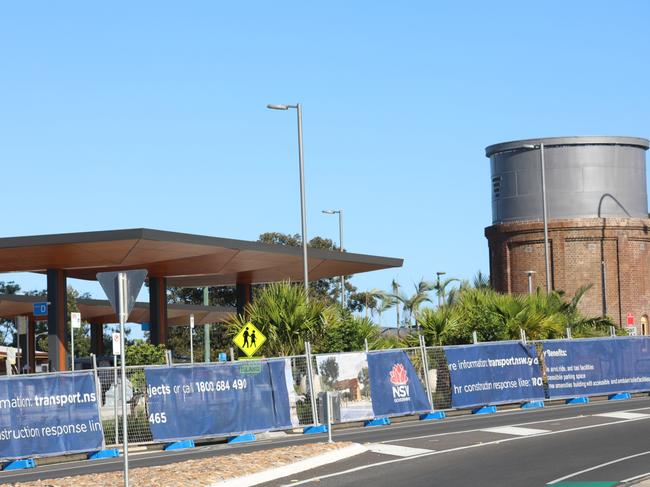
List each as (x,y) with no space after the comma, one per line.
(612,254)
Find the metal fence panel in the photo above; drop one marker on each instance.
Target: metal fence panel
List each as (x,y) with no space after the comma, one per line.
(439,378)
(111,409)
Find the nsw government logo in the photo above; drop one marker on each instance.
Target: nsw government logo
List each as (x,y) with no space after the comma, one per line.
(399,379)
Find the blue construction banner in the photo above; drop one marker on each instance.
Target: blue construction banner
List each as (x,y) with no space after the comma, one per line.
(494,373)
(51,414)
(394,385)
(222,399)
(597,366)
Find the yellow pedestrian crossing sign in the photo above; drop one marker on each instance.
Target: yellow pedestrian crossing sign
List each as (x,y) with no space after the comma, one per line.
(249,339)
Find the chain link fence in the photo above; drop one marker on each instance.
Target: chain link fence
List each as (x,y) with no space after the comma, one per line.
(110,397)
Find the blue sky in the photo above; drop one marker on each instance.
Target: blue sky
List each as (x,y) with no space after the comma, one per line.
(152,114)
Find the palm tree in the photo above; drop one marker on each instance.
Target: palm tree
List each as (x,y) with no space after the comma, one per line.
(397,297)
(440,288)
(433,323)
(282,312)
(412,304)
(387,301)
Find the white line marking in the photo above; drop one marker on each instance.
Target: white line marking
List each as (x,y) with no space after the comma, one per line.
(618,460)
(467,447)
(622,415)
(513,430)
(396,450)
(636,477)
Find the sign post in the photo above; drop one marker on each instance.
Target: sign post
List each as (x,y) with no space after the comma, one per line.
(75,322)
(192,338)
(116,352)
(122,289)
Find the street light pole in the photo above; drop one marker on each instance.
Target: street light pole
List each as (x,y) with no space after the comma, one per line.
(542,164)
(340,213)
(530,281)
(545,215)
(303,210)
(440,293)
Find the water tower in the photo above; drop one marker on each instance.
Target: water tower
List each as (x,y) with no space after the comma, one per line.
(597,228)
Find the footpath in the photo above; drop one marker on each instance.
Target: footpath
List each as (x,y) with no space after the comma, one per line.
(240,469)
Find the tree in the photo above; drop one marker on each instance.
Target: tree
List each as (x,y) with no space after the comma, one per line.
(412,303)
(7,327)
(144,353)
(282,312)
(344,332)
(328,289)
(329,371)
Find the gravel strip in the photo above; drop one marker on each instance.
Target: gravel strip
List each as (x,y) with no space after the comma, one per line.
(195,473)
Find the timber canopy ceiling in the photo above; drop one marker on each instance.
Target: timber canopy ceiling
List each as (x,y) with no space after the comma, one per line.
(100,311)
(184,259)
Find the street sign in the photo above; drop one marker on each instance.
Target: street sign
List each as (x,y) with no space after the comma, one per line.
(40,309)
(110,284)
(122,288)
(22,322)
(630,319)
(75,320)
(249,339)
(116,344)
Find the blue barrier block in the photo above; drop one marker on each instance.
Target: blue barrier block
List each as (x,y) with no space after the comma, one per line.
(20,464)
(577,400)
(377,422)
(433,415)
(485,410)
(532,405)
(179,445)
(620,396)
(242,438)
(313,430)
(99,454)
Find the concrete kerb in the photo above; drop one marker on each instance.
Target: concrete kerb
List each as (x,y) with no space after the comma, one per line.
(294,468)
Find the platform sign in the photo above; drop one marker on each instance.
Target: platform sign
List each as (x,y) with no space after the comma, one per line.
(630,319)
(116,344)
(40,309)
(75,320)
(249,339)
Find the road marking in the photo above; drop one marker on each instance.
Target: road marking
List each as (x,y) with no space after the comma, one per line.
(513,430)
(396,450)
(477,445)
(618,460)
(622,415)
(636,477)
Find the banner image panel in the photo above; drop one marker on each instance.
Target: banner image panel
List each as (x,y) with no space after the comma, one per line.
(346,374)
(395,385)
(197,401)
(494,373)
(597,366)
(51,414)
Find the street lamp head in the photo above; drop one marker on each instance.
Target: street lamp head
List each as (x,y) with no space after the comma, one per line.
(331,212)
(440,273)
(277,107)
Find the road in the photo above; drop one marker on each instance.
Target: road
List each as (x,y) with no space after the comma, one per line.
(601,441)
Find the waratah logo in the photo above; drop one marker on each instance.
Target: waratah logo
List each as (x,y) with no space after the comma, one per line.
(398,375)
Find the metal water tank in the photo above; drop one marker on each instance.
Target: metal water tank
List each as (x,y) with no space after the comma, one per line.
(586,177)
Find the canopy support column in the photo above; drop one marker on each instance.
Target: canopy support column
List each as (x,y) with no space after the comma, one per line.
(57,311)
(244,295)
(158,310)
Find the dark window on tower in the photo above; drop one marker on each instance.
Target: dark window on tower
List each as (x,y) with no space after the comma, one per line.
(496,186)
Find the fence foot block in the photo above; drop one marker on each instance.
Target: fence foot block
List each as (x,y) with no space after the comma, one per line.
(433,415)
(108,453)
(313,430)
(242,438)
(179,445)
(620,396)
(20,464)
(377,422)
(532,405)
(577,400)
(485,410)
